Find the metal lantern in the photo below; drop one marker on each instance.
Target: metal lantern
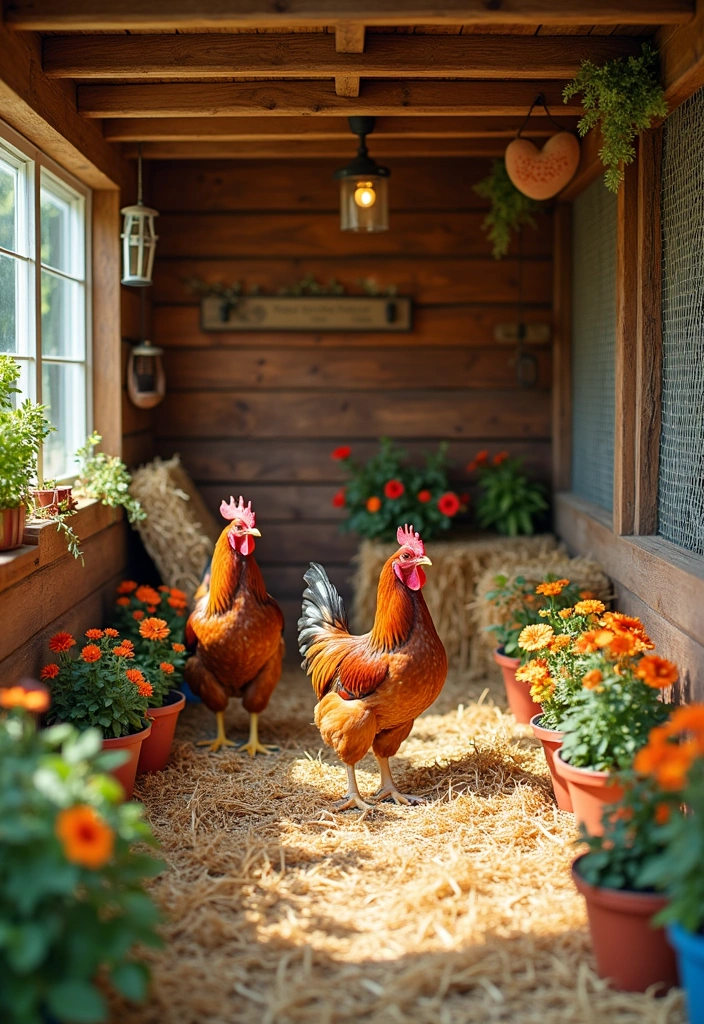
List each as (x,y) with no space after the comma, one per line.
(146,381)
(138,239)
(364,186)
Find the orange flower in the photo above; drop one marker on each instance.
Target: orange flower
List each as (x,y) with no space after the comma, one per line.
(94,634)
(175,592)
(87,839)
(124,602)
(154,629)
(617,620)
(499,458)
(373,504)
(134,675)
(179,648)
(31,697)
(535,638)
(145,689)
(589,607)
(592,679)
(91,652)
(551,588)
(50,671)
(176,602)
(586,595)
(565,613)
(688,718)
(166,667)
(61,642)
(592,640)
(535,671)
(481,457)
(121,651)
(164,589)
(138,614)
(623,644)
(559,643)
(126,587)
(151,608)
(111,632)
(656,672)
(662,814)
(147,595)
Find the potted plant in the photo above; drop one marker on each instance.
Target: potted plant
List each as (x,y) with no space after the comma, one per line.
(106,478)
(56,504)
(630,951)
(674,757)
(163,661)
(137,602)
(509,502)
(73,905)
(101,688)
(22,432)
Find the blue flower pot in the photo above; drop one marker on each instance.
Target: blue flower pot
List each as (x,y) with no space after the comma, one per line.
(690,958)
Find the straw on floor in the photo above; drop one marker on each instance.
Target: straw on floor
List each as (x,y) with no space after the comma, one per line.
(283,912)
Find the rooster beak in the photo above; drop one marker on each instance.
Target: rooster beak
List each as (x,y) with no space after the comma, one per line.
(424,561)
(254,532)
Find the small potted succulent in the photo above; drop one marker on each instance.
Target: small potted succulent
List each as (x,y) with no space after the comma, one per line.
(101,688)
(67,856)
(22,433)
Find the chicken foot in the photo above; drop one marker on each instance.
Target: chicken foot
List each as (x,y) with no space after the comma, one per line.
(352,798)
(388,786)
(221,739)
(253,746)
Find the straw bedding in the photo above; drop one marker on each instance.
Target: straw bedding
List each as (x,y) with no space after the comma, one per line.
(461,910)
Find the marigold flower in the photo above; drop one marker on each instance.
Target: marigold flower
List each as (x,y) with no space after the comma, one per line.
(535,638)
(124,602)
(566,613)
(166,667)
(656,672)
(449,504)
(499,458)
(86,837)
(147,595)
(175,592)
(164,589)
(179,648)
(623,644)
(138,614)
(481,457)
(91,652)
(126,587)
(31,697)
(135,675)
(341,453)
(94,634)
(145,689)
(592,640)
(373,504)
(338,499)
(687,718)
(589,607)
(50,671)
(393,489)
(587,595)
(61,642)
(121,651)
(111,632)
(592,679)
(424,496)
(544,613)
(174,602)
(154,629)
(551,588)
(560,642)
(535,671)
(542,691)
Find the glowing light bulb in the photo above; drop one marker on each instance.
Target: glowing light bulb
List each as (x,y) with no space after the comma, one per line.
(364,194)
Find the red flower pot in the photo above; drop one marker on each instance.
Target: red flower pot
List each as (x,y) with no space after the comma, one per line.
(551,740)
(629,951)
(520,701)
(46,496)
(157,746)
(126,773)
(11,527)
(590,792)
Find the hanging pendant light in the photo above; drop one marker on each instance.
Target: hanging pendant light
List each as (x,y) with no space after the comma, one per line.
(138,238)
(364,186)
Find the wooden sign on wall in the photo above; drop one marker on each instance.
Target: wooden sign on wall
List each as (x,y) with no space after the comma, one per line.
(307,313)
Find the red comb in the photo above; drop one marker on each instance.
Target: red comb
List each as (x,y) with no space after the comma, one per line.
(239,511)
(408,538)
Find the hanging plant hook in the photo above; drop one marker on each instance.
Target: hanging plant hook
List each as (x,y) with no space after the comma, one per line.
(539,101)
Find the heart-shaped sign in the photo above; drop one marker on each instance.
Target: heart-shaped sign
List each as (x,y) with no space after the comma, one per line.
(542,173)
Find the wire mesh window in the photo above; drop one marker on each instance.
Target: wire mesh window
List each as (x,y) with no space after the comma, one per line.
(593,344)
(681,488)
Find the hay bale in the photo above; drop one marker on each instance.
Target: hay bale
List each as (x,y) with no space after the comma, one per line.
(179,532)
(451,586)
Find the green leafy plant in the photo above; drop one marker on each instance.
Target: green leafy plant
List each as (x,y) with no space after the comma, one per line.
(72,904)
(517,605)
(60,513)
(386,492)
(135,603)
(22,433)
(623,97)
(510,209)
(107,479)
(509,502)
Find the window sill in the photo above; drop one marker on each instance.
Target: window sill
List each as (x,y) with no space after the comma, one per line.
(43,544)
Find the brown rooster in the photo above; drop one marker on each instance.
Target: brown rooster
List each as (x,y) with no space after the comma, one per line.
(235,631)
(371,688)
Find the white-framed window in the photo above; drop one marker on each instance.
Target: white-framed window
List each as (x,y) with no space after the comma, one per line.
(45,293)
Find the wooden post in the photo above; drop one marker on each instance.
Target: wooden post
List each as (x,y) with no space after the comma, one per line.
(562,350)
(107,369)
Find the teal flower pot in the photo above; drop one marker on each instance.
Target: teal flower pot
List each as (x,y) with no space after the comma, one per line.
(690,958)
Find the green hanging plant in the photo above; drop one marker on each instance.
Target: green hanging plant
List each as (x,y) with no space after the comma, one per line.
(623,97)
(510,209)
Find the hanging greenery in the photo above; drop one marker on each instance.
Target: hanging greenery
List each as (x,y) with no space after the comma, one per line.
(510,209)
(623,97)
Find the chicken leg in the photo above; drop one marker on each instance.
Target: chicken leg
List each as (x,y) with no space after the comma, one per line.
(221,739)
(253,746)
(352,798)
(388,786)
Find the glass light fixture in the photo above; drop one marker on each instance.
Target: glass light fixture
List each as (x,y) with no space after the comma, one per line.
(138,238)
(146,382)
(364,186)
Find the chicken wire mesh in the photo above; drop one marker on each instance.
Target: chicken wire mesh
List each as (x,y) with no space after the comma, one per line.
(681,488)
(593,344)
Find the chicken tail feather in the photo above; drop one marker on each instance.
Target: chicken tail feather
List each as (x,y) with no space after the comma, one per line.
(323,609)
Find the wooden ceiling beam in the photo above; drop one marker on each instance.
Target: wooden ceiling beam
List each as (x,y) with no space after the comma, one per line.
(682,59)
(78,15)
(265,149)
(272,129)
(302,55)
(349,38)
(377,98)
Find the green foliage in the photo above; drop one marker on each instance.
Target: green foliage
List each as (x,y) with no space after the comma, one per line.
(170,605)
(508,501)
(622,97)
(369,483)
(518,605)
(510,209)
(98,694)
(22,432)
(60,922)
(59,513)
(106,478)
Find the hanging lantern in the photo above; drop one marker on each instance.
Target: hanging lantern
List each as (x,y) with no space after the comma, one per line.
(146,381)
(364,186)
(138,239)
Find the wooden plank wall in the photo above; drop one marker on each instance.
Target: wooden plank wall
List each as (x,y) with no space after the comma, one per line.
(260,413)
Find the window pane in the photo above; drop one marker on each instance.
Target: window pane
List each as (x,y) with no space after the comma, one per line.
(63,330)
(55,231)
(63,391)
(8,304)
(8,206)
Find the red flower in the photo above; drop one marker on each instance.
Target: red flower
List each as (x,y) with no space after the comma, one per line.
(94,634)
(338,500)
(124,602)
(482,457)
(111,632)
(449,504)
(50,671)
(342,453)
(138,614)
(91,652)
(424,496)
(166,667)
(393,489)
(61,642)
(499,458)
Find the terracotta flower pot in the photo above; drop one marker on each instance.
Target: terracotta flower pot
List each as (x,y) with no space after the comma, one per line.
(127,772)
(46,496)
(157,747)
(11,527)
(590,792)
(690,959)
(520,701)
(551,740)
(629,951)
